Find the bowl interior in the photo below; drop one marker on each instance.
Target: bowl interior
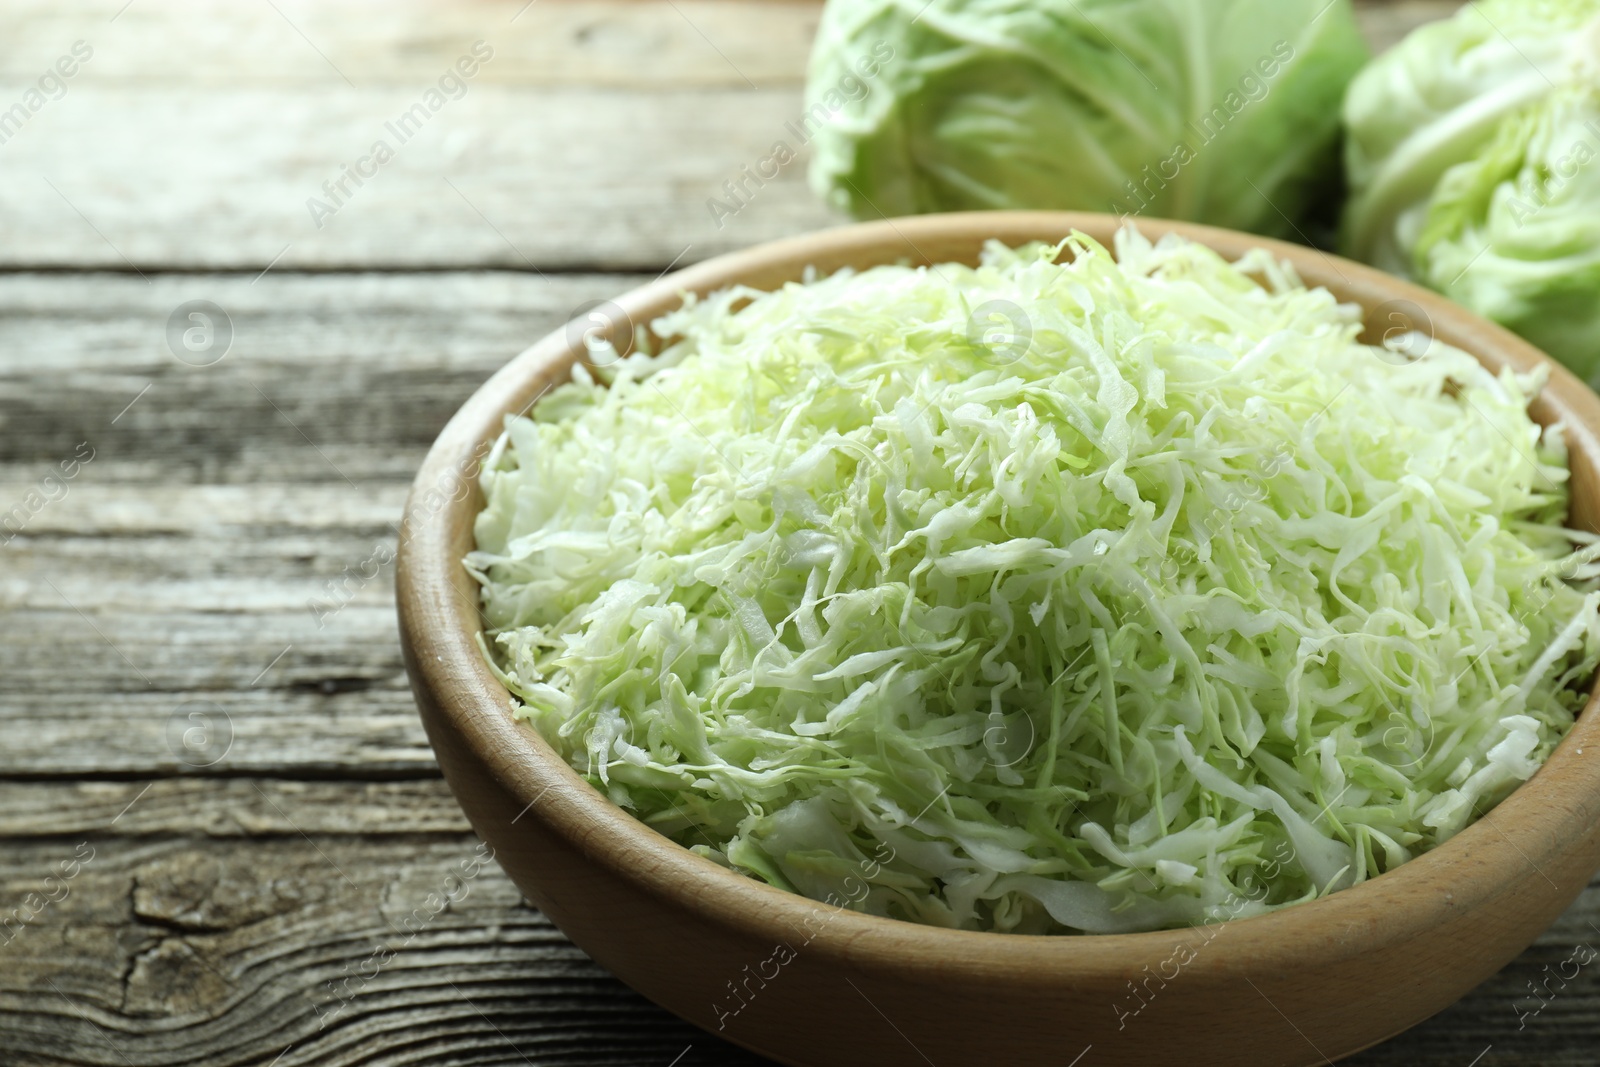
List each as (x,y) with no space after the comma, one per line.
(439,604)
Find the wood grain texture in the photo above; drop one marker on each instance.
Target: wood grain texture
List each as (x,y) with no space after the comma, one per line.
(195,136)
(376,948)
(219,922)
(506,177)
(221,807)
(614,44)
(234,511)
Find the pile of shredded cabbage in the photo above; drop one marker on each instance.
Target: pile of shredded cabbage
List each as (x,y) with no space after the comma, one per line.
(1070,592)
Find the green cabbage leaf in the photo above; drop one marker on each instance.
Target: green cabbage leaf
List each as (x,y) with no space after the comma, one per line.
(1218,111)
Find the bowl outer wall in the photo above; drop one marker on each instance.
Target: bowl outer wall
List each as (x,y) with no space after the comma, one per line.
(1301,985)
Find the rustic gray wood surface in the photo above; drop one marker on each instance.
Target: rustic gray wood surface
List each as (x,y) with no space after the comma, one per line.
(223,839)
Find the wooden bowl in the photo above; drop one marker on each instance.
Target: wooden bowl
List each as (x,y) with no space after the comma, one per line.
(805,983)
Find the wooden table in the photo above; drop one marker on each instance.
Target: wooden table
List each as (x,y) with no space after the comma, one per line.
(223,838)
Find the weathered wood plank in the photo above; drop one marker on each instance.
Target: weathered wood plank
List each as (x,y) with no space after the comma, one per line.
(340,951)
(614,44)
(146,162)
(223,922)
(227,807)
(364,368)
(233,512)
(163,177)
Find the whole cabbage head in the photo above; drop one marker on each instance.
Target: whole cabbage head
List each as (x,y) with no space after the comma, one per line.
(1218,111)
(1474,166)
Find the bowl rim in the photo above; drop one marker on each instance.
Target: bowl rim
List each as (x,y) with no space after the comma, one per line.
(438,607)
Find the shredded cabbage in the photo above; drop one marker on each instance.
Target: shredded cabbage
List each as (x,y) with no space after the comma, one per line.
(1069,592)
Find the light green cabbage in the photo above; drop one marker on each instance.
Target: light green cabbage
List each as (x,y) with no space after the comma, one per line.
(1041,596)
(1219,111)
(1474,167)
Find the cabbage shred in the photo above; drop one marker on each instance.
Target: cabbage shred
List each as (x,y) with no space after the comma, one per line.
(1070,592)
